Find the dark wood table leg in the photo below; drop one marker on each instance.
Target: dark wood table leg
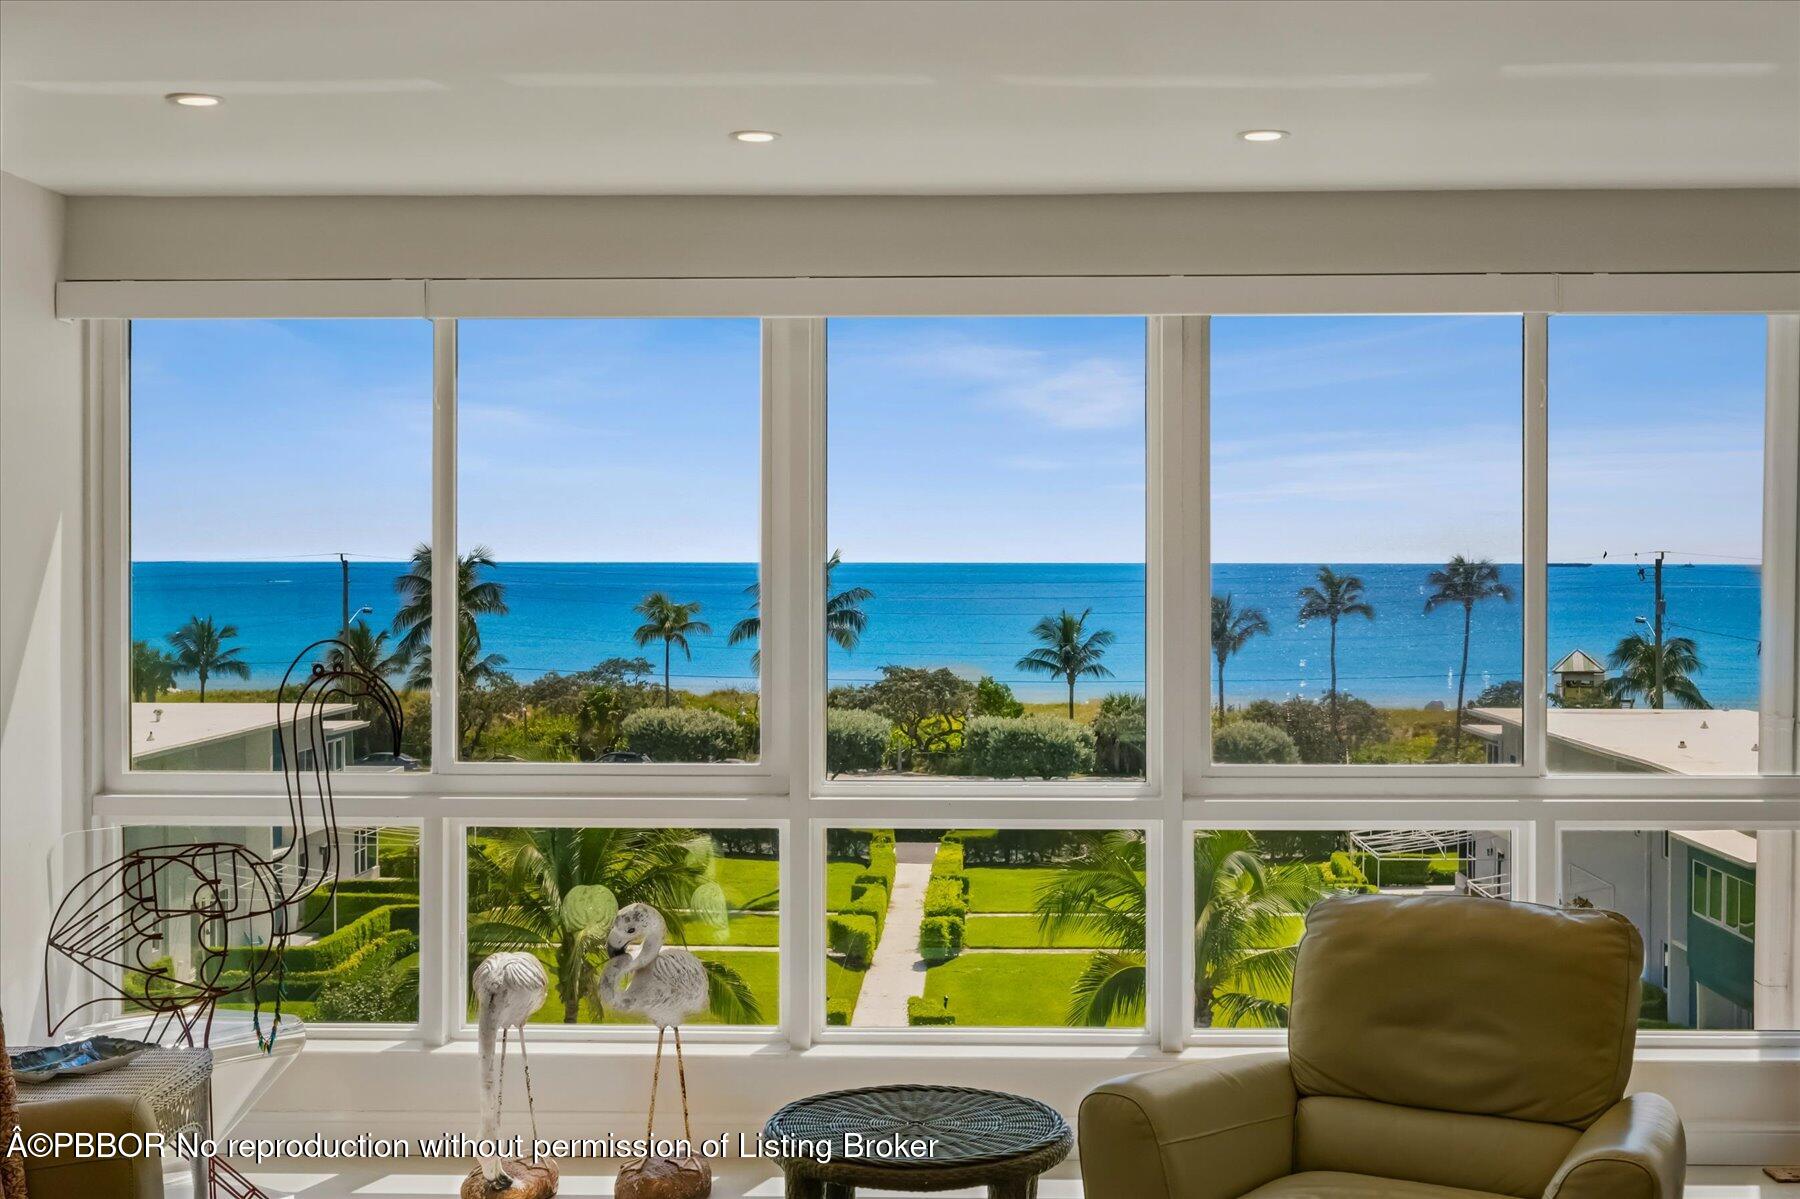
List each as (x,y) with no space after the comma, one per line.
(1016,1188)
(804,1188)
(839,1190)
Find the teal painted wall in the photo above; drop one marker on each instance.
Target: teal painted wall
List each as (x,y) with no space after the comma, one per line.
(1721,960)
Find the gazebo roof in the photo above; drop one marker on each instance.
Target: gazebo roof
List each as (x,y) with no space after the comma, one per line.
(1577,662)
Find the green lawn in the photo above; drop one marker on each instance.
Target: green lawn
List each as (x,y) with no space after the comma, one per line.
(1021,932)
(758,929)
(752,883)
(1007,888)
(1010,990)
(762,971)
(842,986)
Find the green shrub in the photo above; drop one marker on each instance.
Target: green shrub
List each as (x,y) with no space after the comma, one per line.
(1440,873)
(837,1015)
(848,844)
(388,995)
(683,734)
(1248,741)
(1654,1006)
(947,896)
(922,1012)
(1395,872)
(853,936)
(855,740)
(873,903)
(1028,747)
(335,947)
(867,884)
(325,911)
(1343,869)
(949,857)
(399,862)
(940,937)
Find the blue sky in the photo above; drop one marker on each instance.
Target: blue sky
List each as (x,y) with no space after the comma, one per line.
(1342,439)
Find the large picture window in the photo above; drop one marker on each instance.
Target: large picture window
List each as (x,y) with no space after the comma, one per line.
(1121,642)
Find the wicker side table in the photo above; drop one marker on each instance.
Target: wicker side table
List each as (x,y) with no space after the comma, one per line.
(177,1083)
(976,1138)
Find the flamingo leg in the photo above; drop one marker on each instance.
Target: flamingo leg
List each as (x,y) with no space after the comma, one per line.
(530,1100)
(687,1126)
(655,1080)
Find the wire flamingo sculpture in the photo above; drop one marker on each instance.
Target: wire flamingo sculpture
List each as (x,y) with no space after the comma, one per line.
(666,986)
(109,924)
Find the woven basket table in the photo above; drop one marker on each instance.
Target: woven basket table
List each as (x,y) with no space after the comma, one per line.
(981,1138)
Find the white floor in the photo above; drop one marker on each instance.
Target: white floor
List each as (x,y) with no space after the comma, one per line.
(339,1180)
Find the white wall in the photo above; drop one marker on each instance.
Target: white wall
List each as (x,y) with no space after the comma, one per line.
(42,514)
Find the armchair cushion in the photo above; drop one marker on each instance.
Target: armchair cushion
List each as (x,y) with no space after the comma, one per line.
(1203,1130)
(1452,1149)
(1329,1184)
(1635,1151)
(1463,1004)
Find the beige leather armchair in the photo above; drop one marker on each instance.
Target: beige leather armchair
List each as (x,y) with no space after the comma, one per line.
(1440,1047)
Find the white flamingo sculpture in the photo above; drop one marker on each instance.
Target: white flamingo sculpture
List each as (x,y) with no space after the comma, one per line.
(667,986)
(509,987)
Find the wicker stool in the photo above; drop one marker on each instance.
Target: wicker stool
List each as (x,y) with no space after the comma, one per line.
(975,1138)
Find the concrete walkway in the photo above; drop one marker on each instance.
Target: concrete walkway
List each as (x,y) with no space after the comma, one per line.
(897,973)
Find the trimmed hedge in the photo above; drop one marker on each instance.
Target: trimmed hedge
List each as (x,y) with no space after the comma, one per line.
(855,740)
(925,1013)
(354,900)
(1027,747)
(380,953)
(949,856)
(853,936)
(873,903)
(334,948)
(1392,872)
(683,734)
(947,896)
(940,938)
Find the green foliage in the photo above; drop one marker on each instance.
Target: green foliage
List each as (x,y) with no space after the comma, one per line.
(200,650)
(994,698)
(848,844)
(152,672)
(1249,741)
(922,1012)
(947,895)
(1019,846)
(927,707)
(1281,846)
(1653,1008)
(1308,723)
(949,858)
(940,937)
(843,986)
(400,862)
(873,903)
(389,994)
(855,740)
(853,936)
(1405,871)
(1028,747)
(682,735)
(1510,694)
(326,910)
(1121,734)
(336,947)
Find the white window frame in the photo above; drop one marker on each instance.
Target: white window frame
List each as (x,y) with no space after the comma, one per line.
(787,789)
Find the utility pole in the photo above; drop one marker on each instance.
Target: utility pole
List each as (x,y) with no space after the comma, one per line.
(1656,695)
(344,623)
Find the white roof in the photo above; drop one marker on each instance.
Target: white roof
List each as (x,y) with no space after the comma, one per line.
(158,728)
(1669,740)
(1727,843)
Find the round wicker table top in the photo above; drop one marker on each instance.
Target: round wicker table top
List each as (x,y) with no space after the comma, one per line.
(973,1136)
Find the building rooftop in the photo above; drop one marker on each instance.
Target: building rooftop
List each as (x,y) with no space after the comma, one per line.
(1577,662)
(158,728)
(1669,740)
(1727,843)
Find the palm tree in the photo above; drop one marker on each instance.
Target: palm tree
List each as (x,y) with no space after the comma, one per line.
(200,650)
(152,672)
(1334,597)
(1466,582)
(1245,927)
(476,596)
(1101,892)
(845,619)
(1069,651)
(672,624)
(1231,628)
(367,651)
(558,889)
(1635,660)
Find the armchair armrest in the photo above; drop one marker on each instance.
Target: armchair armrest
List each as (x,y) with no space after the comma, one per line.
(67,1176)
(1637,1150)
(1204,1130)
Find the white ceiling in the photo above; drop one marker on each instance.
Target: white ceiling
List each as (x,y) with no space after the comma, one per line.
(425,96)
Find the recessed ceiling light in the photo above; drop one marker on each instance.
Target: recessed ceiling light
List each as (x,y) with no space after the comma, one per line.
(755,135)
(1263,135)
(193,99)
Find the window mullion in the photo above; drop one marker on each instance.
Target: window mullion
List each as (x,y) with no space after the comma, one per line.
(1537,538)
(1781,546)
(444,617)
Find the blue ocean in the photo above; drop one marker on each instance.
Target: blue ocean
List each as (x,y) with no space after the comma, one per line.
(976,619)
